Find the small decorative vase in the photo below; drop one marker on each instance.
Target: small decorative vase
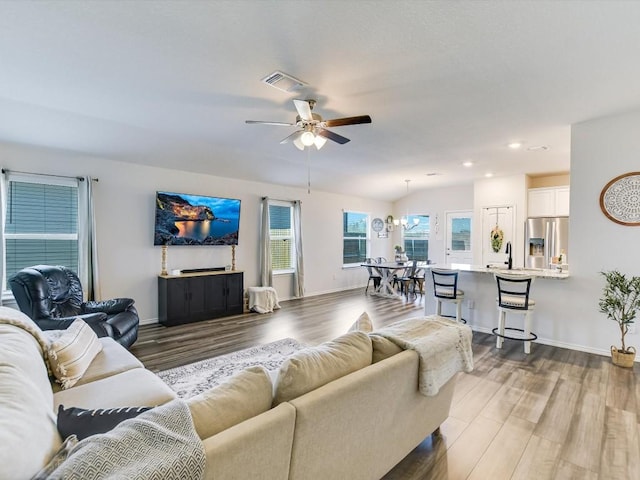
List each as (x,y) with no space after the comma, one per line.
(623,359)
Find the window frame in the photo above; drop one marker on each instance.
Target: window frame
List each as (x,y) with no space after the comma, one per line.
(70,182)
(367,237)
(291,238)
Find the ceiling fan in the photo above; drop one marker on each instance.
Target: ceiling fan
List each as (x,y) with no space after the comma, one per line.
(313,129)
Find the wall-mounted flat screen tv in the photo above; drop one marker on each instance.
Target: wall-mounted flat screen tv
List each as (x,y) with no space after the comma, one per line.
(183,219)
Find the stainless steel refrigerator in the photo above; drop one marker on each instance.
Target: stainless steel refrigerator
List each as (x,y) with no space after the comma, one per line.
(546,238)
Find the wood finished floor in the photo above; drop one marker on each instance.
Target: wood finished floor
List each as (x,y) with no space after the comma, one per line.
(554,414)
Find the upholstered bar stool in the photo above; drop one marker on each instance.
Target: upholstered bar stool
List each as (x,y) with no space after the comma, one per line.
(445,290)
(513,297)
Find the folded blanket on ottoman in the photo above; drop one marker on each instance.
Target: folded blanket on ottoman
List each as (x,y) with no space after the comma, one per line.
(263,299)
(444,348)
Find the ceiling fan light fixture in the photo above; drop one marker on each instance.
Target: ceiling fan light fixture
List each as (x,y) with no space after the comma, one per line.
(307,139)
(298,143)
(319,141)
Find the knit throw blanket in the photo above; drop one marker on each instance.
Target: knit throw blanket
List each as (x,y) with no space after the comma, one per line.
(159,444)
(443,346)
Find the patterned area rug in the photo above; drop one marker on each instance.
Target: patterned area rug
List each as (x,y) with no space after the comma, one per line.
(189,380)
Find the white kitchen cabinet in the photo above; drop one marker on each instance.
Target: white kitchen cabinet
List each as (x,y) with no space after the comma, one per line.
(562,201)
(548,202)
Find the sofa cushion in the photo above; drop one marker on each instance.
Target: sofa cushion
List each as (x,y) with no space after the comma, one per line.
(362,324)
(243,396)
(28,434)
(137,386)
(72,352)
(313,367)
(83,423)
(383,348)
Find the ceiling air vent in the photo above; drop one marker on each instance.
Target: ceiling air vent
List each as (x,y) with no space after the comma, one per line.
(283,82)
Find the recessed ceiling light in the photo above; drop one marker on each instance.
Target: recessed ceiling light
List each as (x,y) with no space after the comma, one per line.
(515,145)
(488,174)
(468,163)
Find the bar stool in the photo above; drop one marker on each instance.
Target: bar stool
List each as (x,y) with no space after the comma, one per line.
(513,297)
(445,290)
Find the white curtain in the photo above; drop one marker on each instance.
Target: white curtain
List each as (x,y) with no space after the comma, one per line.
(3,209)
(87,241)
(298,276)
(266,272)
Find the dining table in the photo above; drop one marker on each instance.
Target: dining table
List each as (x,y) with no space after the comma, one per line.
(387,270)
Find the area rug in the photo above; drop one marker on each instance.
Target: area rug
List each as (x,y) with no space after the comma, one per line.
(189,380)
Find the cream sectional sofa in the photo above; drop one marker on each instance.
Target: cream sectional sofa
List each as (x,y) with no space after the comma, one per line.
(361,415)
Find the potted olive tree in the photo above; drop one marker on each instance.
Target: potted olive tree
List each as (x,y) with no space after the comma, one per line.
(620,300)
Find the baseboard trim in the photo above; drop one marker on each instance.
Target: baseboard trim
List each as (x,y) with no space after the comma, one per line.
(555,343)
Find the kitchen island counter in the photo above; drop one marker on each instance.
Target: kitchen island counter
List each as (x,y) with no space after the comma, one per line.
(534,272)
(480,292)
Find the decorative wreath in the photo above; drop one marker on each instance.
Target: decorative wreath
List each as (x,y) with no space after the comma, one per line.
(497,236)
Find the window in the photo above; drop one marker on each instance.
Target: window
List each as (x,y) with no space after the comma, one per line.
(355,238)
(281,237)
(41,223)
(416,239)
(461,234)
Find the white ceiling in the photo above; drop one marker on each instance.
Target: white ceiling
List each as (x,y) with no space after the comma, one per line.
(171,83)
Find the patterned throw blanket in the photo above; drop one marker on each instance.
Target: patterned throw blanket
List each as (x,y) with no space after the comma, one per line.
(158,444)
(444,348)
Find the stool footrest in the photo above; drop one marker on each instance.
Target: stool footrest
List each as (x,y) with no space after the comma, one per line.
(462,320)
(532,336)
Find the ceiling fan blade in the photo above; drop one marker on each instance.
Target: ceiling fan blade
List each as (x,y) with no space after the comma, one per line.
(332,136)
(304,110)
(339,122)
(284,124)
(292,137)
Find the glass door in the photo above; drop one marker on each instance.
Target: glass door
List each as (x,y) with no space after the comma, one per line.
(458,237)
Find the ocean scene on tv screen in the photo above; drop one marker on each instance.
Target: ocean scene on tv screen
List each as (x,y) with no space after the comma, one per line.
(196,220)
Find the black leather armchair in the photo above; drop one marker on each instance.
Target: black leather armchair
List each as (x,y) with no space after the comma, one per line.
(52,297)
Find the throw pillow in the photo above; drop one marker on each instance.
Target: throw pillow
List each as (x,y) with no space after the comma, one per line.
(72,352)
(83,423)
(314,367)
(362,324)
(243,396)
(383,348)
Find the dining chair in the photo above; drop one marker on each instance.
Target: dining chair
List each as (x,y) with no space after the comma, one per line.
(407,278)
(373,275)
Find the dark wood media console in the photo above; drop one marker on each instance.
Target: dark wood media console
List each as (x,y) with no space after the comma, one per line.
(193,297)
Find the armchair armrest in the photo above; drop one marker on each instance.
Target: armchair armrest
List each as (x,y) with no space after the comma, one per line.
(98,323)
(110,307)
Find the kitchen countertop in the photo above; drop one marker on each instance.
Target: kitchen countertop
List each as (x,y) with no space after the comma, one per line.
(534,272)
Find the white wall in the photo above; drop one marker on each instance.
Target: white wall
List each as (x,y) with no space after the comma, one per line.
(600,150)
(433,202)
(128,261)
(501,191)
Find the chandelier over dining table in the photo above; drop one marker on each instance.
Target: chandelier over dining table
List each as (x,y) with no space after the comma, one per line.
(404,221)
